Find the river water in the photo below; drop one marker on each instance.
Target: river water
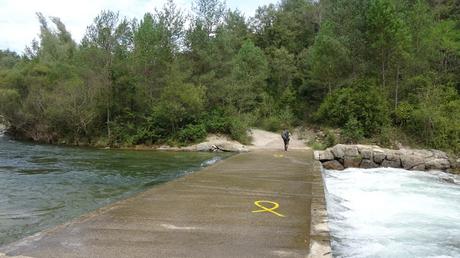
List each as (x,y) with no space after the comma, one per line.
(42,186)
(393,213)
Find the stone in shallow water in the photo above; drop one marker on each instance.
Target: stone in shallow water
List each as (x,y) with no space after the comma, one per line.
(391,163)
(379,156)
(351,162)
(333,165)
(437,164)
(420,167)
(411,161)
(366,163)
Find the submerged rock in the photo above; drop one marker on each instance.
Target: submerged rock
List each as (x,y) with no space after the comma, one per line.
(391,163)
(437,164)
(410,160)
(333,165)
(367,163)
(351,162)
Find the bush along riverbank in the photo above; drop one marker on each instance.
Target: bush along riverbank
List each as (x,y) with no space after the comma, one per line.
(343,156)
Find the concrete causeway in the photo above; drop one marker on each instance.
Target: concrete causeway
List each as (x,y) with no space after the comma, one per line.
(208,213)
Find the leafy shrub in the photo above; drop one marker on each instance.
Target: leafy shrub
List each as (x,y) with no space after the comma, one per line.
(438,129)
(330,139)
(403,113)
(386,136)
(352,131)
(435,120)
(229,123)
(281,120)
(192,133)
(318,146)
(217,121)
(361,102)
(272,123)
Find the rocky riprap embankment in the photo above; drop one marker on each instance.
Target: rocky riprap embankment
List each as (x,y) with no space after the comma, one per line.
(343,156)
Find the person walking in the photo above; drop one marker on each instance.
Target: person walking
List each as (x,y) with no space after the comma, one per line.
(286,137)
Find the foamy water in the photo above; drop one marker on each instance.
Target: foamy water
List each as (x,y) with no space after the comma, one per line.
(211,161)
(393,213)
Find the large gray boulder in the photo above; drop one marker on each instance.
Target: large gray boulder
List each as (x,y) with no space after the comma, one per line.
(420,167)
(437,164)
(391,163)
(351,162)
(351,151)
(204,146)
(324,155)
(393,155)
(454,162)
(439,154)
(365,156)
(231,147)
(366,152)
(367,163)
(338,151)
(410,161)
(379,155)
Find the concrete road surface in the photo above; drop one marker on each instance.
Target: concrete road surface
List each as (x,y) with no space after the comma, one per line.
(255,204)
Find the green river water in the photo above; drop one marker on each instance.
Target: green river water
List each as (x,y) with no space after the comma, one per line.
(42,186)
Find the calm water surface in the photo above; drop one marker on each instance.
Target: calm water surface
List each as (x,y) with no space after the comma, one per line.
(42,186)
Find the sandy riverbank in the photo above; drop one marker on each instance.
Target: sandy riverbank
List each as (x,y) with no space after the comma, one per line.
(260,140)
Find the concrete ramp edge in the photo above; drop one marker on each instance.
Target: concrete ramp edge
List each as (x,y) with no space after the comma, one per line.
(320,240)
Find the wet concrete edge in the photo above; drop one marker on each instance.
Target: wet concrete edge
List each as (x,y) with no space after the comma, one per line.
(8,248)
(320,239)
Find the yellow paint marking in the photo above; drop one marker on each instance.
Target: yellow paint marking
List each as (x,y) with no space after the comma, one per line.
(265,209)
(278,155)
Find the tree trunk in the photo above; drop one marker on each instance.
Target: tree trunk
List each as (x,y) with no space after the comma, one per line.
(397,87)
(383,68)
(108,122)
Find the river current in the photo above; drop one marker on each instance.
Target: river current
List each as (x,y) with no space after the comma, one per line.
(394,213)
(42,185)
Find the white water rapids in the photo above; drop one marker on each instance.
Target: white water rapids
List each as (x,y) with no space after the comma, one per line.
(393,213)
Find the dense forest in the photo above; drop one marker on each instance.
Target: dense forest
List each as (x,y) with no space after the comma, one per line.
(375,69)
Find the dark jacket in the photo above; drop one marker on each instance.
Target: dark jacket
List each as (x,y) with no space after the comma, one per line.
(285,135)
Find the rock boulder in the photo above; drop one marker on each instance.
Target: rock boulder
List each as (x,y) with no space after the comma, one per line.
(367,163)
(324,155)
(364,156)
(333,165)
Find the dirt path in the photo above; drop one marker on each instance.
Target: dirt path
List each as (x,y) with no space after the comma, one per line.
(267,140)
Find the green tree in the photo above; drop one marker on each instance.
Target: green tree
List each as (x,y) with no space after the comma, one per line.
(106,38)
(386,33)
(250,70)
(328,59)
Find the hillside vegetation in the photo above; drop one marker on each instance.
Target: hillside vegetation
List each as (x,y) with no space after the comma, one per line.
(375,69)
